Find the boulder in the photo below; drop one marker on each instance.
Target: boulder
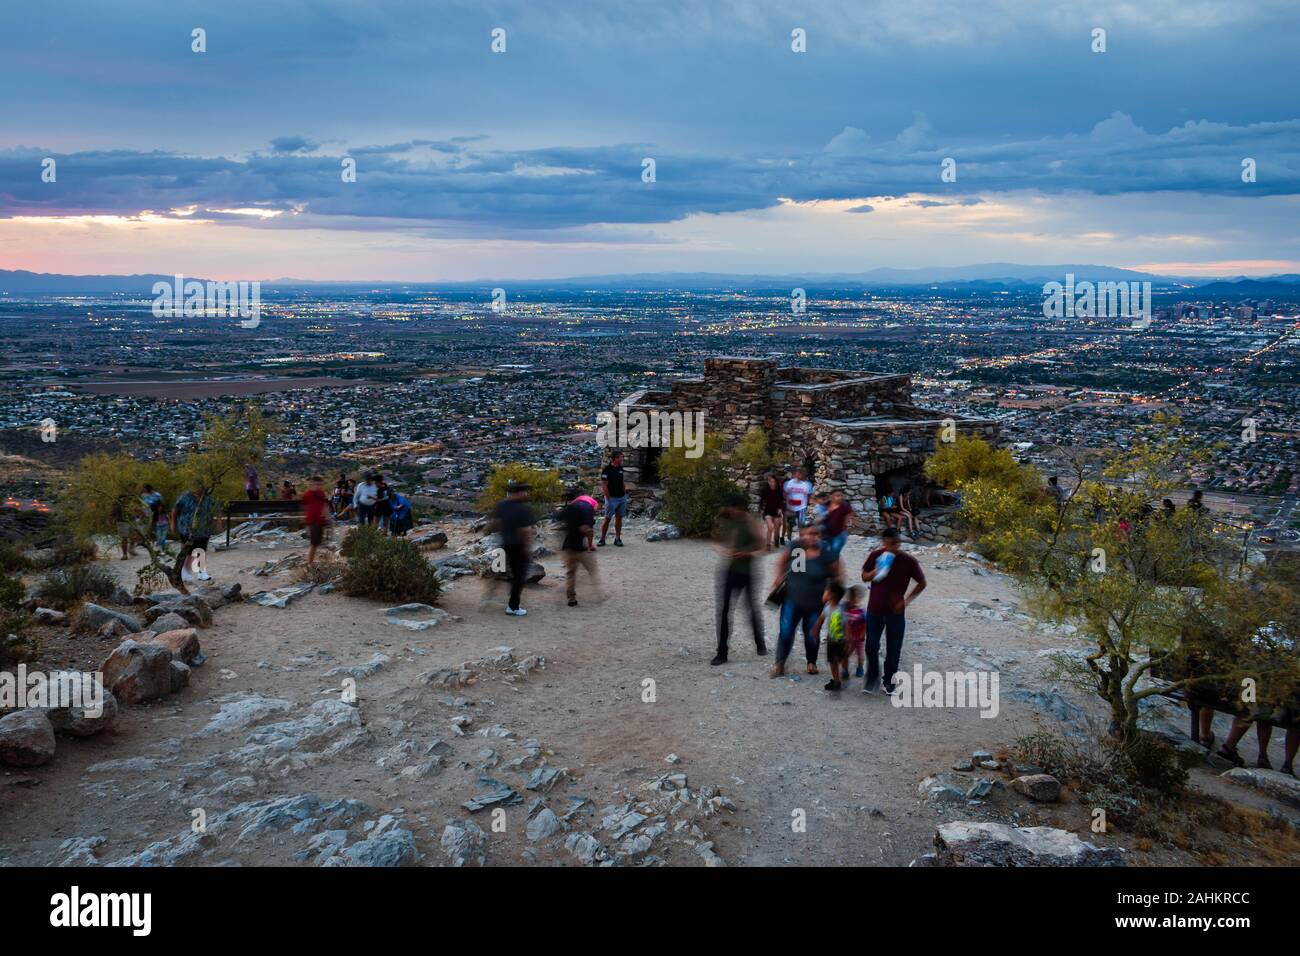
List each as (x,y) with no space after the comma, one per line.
(1040,787)
(114,631)
(966,843)
(138,672)
(668,532)
(26,738)
(95,617)
(1276,784)
(190,608)
(942,788)
(171,621)
(47,615)
(180,675)
(183,643)
(97,710)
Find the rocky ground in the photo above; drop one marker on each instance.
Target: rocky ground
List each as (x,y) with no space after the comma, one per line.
(326,732)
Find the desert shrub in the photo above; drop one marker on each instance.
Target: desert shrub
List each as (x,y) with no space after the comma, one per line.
(547,487)
(15,644)
(12,559)
(68,551)
(1137,782)
(695,488)
(64,587)
(386,569)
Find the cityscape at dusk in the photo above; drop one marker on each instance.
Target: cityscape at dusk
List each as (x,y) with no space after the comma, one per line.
(700,434)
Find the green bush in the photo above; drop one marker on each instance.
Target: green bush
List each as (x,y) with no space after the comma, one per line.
(547,488)
(386,569)
(64,587)
(15,644)
(12,559)
(695,488)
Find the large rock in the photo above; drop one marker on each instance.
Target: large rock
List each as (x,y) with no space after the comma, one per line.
(189,607)
(171,621)
(95,617)
(1041,787)
(1281,786)
(138,672)
(183,644)
(26,738)
(394,847)
(995,844)
(942,788)
(47,615)
(88,717)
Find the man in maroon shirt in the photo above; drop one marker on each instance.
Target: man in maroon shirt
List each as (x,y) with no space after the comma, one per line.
(315,509)
(889,571)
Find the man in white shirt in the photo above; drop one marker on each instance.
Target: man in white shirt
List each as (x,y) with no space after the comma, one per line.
(797,492)
(364,498)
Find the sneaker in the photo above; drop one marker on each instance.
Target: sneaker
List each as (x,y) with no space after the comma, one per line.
(618,542)
(204,576)
(516,611)
(832,685)
(718,659)
(866,688)
(1263,762)
(186,576)
(858,672)
(601,542)
(573,603)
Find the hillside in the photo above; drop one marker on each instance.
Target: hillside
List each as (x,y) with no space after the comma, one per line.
(546,713)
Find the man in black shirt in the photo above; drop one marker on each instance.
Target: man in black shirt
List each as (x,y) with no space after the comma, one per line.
(514,521)
(615,492)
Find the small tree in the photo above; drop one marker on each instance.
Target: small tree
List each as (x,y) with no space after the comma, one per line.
(695,488)
(103,486)
(1142,583)
(752,455)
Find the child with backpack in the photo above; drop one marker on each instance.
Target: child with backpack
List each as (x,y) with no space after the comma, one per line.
(833,619)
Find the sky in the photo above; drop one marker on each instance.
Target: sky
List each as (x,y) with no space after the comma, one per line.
(532,162)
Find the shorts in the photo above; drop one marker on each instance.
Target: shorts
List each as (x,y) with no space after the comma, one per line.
(616,506)
(837,651)
(315,533)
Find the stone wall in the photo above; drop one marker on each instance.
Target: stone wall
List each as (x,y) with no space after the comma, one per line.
(854,425)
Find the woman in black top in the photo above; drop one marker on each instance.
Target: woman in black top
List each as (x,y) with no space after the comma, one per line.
(771,504)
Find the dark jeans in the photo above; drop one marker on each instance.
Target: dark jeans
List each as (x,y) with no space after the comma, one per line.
(893,626)
(792,617)
(729,584)
(517,568)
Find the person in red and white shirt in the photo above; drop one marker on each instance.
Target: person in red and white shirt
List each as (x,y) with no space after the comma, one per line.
(797,492)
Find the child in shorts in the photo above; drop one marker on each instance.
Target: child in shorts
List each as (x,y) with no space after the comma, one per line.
(832,617)
(855,626)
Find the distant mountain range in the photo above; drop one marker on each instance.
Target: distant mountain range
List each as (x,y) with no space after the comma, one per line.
(987,277)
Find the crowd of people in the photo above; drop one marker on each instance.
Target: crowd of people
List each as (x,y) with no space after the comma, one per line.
(809,529)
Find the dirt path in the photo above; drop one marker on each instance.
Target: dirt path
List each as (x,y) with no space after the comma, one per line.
(778,750)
